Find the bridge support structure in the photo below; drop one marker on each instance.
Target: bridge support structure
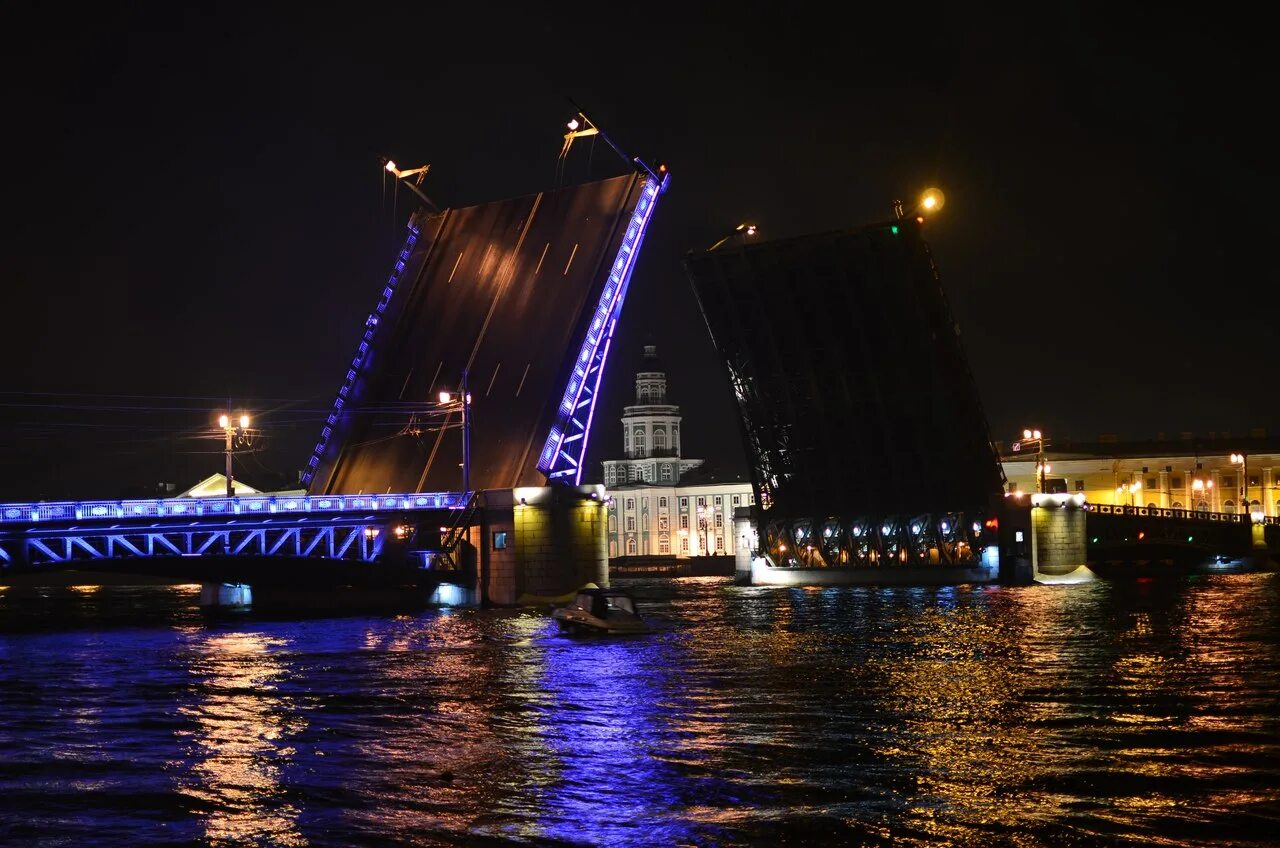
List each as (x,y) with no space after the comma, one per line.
(540,543)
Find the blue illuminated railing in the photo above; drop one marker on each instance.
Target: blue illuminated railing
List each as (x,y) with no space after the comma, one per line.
(362,354)
(65,511)
(566,446)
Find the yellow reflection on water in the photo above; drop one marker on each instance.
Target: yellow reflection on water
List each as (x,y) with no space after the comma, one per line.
(241,742)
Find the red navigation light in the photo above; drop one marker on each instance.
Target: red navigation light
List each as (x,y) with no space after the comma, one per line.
(992,523)
(1141,535)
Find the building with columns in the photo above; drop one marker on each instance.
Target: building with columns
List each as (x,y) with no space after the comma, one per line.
(661,503)
(1189,472)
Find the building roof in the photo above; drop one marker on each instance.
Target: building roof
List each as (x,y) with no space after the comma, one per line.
(215,486)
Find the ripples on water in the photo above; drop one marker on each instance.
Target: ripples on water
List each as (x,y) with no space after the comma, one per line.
(1141,712)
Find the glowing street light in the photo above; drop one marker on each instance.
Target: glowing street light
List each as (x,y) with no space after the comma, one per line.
(932,200)
(1242,461)
(573,124)
(742,231)
(1029,437)
(234,435)
(463,399)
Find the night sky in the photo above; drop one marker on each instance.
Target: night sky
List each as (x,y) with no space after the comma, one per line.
(195,206)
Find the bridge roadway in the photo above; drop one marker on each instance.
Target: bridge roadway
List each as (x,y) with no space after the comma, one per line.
(338,537)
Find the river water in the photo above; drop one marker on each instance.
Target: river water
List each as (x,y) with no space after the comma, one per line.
(1103,714)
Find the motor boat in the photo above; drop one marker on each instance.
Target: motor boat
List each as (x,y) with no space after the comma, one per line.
(601,611)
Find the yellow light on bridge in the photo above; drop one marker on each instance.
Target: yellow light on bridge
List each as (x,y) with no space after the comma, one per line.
(223,421)
(932,200)
(244,422)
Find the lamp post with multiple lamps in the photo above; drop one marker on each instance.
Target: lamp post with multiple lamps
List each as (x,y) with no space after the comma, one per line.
(1130,489)
(463,399)
(237,433)
(1036,438)
(1242,461)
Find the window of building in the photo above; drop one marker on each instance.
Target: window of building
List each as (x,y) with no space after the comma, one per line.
(720,544)
(737,499)
(1177,504)
(1153,484)
(613,523)
(1151,506)
(719,519)
(499,540)
(1176,482)
(631,474)
(684,503)
(1229,507)
(1254,481)
(1229,482)
(664,544)
(631,524)
(631,503)
(702,501)
(684,545)
(1079,485)
(719,501)
(640,442)
(631,547)
(663,522)
(659,438)
(666,473)
(751,498)
(1202,506)
(684,522)
(662,503)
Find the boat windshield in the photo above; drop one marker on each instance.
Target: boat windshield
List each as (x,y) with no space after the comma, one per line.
(621,603)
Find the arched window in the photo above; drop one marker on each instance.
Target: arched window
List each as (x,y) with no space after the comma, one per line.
(613,524)
(664,544)
(1203,506)
(613,549)
(631,547)
(639,441)
(1229,507)
(1151,506)
(1177,504)
(1255,506)
(659,439)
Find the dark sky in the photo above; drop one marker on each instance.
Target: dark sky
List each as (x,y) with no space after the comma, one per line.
(194,202)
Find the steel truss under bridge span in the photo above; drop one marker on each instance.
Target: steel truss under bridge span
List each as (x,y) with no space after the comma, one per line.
(422,529)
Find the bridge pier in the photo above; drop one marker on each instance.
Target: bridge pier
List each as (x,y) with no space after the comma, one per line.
(1059,538)
(539,543)
(226,596)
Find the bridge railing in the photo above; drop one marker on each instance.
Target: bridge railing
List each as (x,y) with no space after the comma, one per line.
(1180,514)
(49,512)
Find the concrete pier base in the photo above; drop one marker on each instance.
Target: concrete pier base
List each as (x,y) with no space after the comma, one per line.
(227,596)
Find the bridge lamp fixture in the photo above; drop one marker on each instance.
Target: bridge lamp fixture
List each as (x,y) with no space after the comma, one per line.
(223,421)
(932,200)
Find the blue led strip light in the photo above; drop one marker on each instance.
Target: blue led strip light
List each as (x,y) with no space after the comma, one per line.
(566,446)
(54,512)
(362,354)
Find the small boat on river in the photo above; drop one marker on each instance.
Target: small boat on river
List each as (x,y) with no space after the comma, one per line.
(601,611)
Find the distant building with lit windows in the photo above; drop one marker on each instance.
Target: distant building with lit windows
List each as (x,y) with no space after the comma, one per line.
(661,503)
(1189,472)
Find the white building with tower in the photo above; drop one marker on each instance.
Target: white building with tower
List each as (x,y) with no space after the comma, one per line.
(663,504)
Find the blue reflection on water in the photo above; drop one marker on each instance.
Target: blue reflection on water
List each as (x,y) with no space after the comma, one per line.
(602,720)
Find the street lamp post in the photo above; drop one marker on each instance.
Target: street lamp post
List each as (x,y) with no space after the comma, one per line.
(705,527)
(464,398)
(233,435)
(1242,461)
(1037,438)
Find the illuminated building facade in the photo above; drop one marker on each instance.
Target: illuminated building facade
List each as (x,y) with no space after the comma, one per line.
(662,505)
(1187,473)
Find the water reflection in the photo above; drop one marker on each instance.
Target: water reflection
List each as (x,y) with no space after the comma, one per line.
(243,726)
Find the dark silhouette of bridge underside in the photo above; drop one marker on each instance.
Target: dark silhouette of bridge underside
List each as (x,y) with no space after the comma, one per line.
(854,393)
(504,290)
